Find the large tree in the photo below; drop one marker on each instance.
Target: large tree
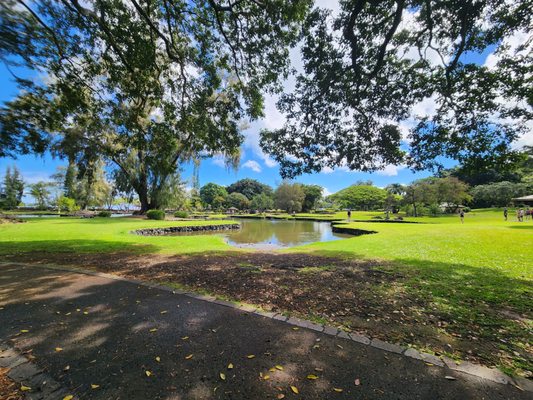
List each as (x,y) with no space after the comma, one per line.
(360,197)
(289,197)
(381,72)
(313,194)
(249,188)
(40,191)
(12,188)
(142,84)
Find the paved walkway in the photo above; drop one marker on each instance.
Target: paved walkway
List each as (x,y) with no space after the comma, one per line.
(88,330)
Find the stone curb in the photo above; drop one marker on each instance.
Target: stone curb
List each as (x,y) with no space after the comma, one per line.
(466,367)
(24,372)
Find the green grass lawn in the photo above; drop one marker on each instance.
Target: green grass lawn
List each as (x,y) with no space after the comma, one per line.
(102,235)
(476,278)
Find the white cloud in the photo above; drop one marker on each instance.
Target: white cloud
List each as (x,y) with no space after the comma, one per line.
(509,47)
(219,160)
(253,165)
(326,192)
(390,170)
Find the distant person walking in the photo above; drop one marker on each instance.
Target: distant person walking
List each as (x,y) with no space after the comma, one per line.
(462,216)
(349,215)
(505,213)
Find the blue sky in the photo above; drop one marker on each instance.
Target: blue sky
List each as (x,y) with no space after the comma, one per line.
(254,163)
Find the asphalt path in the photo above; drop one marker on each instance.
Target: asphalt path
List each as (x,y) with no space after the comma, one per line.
(109,339)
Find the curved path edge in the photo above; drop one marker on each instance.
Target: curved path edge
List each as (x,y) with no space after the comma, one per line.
(491,374)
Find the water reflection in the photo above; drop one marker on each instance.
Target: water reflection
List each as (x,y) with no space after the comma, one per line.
(281,233)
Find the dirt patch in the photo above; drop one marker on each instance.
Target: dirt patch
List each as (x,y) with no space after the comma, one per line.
(364,296)
(9,389)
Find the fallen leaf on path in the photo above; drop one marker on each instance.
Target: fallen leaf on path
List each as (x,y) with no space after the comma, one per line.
(158,359)
(450,378)
(188,357)
(280,396)
(66,368)
(319,369)
(340,347)
(250,356)
(272,369)
(266,377)
(148,373)
(357,382)
(230,366)
(164,312)
(24,331)
(295,390)
(279,367)
(86,313)
(312,377)
(68,397)
(338,390)
(58,349)
(222,376)
(185,338)
(25,388)
(93,386)
(153,330)
(295,328)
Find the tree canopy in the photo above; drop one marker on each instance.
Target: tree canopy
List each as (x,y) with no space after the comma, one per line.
(144,85)
(249,188)
(360,197)
(371,72)
(289,197)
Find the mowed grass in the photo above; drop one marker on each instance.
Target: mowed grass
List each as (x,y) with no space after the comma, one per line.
(469,284)
(100,235)
(476,277)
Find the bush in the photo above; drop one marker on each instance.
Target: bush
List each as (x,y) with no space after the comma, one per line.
(466,209)
(104,214)
(181,214)
(155,214)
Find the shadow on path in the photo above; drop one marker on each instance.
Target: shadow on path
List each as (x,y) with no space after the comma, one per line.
(111,332)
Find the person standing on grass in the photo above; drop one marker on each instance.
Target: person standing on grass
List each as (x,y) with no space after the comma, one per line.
(349,214)
(505,212)
(462,216)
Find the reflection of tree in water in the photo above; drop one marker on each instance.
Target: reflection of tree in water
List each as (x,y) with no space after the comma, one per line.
(281,232)
(254,231)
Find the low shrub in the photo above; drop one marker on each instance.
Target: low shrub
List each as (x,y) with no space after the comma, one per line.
(104,214)
(155,214)
(466,209)
(181,214)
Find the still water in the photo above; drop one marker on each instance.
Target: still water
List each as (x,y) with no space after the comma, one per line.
(264,233)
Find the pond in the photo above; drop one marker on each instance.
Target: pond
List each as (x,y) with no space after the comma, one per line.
(264,233)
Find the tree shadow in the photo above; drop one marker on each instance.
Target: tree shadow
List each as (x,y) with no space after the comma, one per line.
(74,246)
(525,227)
(111,333)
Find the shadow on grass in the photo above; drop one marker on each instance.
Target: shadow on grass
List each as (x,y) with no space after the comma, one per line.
(112,332)
(525,227)
(74,246)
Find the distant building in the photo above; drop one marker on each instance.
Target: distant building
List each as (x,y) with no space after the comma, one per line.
(450,208)
(232,210)
(528,200)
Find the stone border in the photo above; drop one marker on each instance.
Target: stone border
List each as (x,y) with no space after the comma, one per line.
(477,370)
(23,371)
(350,231)
(185,229)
